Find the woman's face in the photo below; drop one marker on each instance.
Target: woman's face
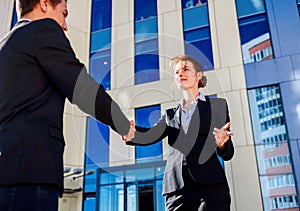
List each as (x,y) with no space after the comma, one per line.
(186,77)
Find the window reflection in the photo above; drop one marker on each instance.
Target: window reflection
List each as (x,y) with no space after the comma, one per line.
(15,17)
(197,32)
(147,117)
(146,42)
(96,150)
(101,14)
(144,9)
(131,187)
(192,3)
(100,47)
(97,147)
(254,30)
(100,67)
(97,134)
(298,3)
(272,149)
(90,203)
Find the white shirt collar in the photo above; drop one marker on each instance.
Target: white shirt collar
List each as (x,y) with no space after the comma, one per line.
(24,19)
(200,97)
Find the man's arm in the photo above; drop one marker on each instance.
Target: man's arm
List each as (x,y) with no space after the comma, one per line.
(58,60)
(148,136)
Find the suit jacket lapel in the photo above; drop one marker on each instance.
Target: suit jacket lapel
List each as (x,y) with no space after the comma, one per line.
(185,142)
(203,105)
(218,119)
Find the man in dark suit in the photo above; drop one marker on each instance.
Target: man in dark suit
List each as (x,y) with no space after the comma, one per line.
(194,179)
(38,71)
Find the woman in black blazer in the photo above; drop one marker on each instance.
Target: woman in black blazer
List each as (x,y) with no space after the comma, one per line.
(194,178)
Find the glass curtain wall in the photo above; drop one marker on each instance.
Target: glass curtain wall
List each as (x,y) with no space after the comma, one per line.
(272,146)
(254,30)
(147,117)
(100,51)
(146,41)
(197,32)
(97,135)
(131,187)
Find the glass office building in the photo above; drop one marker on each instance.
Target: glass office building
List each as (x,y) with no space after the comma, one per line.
(250,51)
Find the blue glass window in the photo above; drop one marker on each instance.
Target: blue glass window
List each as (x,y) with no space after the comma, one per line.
(146,42)
(100,61)
(254,30)
(15,17)
(97,138)
(100,40)
(272,149)
(192,3)
(131,187)
(197,32)
(89,203)
(144,9)
(100,67)
(146,117)
(97,147)
(298,3)
(146,67)
(101,14)
(97,150)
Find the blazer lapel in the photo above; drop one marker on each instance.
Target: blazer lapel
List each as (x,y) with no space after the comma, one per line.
(203,105)
(218,119)
(185,142)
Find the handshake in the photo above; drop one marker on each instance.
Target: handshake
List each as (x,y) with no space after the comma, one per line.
(131,132)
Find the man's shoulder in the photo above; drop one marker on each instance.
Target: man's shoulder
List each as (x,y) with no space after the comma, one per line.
(46,27)
(46,22)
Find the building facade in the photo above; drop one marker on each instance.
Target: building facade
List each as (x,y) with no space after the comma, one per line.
(250,51)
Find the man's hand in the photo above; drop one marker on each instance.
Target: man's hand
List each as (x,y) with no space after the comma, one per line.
(222,135)
(130,134)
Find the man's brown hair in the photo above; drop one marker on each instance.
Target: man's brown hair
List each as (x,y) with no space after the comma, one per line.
(25,6)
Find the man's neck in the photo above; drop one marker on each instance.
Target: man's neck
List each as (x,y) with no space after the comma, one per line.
(33,15)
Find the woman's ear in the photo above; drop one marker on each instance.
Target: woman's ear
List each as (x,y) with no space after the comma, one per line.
(199,75)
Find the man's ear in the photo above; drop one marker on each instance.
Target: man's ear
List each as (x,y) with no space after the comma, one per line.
(44,5)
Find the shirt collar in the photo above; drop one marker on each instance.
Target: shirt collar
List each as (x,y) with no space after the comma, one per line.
(200,97)
(24,20)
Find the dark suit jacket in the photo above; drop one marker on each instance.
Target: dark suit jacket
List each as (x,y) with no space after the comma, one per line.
(198,146)
(38,71)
